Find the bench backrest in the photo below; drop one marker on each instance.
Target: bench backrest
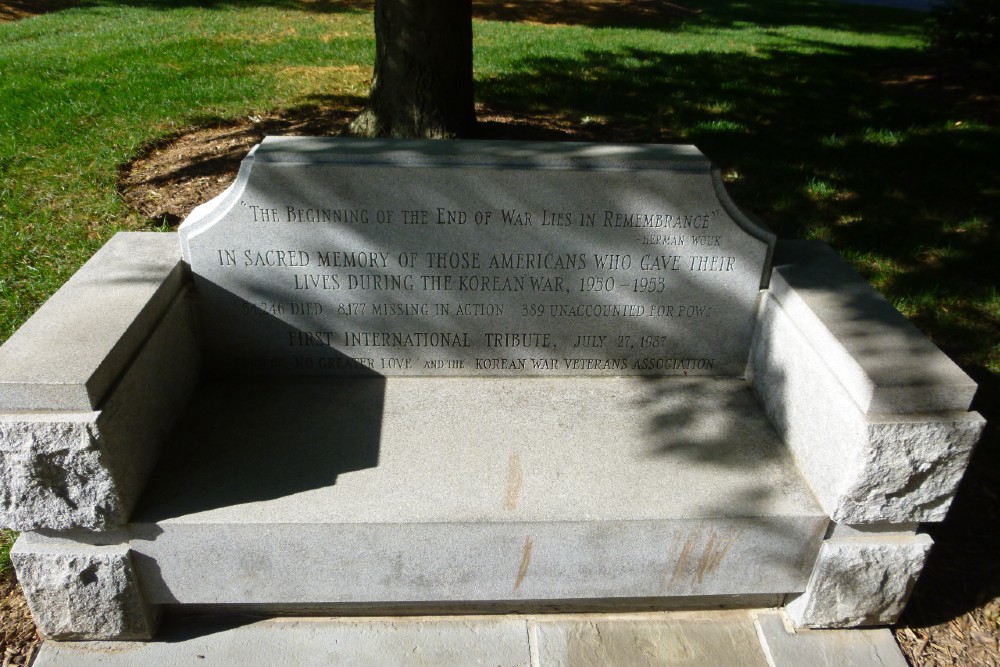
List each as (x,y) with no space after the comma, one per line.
(345,257)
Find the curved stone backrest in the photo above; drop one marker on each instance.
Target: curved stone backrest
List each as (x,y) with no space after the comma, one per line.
(340,256)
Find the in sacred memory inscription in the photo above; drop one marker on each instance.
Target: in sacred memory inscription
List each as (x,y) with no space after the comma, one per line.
(348,257)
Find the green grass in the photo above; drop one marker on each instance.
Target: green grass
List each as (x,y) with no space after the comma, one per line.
(787,97)
(7,538)
(82,90)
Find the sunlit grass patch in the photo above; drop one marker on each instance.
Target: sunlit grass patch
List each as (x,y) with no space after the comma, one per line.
(7,538)
(883,137)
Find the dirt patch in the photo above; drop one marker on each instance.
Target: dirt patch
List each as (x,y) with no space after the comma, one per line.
(176,174)
(593,13)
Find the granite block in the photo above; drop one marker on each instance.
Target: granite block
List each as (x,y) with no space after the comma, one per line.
(558,488)
(910,468)
(70,353)
(79,591)
(883,362)
(55,472)
(864,468)
(87,469)
(861,580)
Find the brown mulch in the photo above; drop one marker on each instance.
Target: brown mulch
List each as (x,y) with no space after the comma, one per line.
(970,639)
(194,165)
(967,91)
(18,638)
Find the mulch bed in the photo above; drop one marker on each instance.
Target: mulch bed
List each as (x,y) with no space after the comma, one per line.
(18,637)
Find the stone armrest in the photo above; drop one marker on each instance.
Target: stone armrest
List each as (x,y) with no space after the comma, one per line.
(875,415)
(91,384)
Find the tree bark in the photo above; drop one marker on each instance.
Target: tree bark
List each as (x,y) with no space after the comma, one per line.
(422,86)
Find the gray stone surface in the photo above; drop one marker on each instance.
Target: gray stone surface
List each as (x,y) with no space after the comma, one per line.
(679,638)
(401,642)
(883,362)
(861,580)
(826,648)
(863,468)
(87,469)
(676,639)
(910,467)
(54,472)
(440,489)
(78,591)
(339,256)
(68,355)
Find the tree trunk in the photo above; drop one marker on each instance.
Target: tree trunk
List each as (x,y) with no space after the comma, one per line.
(422,86)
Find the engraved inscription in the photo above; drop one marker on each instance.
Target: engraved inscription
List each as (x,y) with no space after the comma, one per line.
(466,270)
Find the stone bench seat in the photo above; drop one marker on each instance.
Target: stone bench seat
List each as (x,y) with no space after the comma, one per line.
(148,475)
(428,490)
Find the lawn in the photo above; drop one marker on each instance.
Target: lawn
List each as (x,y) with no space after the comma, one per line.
(814,110)
(830,121)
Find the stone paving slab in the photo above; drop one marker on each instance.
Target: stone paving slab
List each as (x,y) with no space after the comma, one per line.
(574,640)
(826,648)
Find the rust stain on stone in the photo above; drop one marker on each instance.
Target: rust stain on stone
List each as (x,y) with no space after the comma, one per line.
(683,558)
(515,479)
(712,556)
(522,571)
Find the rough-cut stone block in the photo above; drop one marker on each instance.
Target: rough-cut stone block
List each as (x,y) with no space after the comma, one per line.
(87,469)
(826,648)
(910,468)
(883,362)
(859,580)
(70,353)
(82,591)
(55,473)
(864,468)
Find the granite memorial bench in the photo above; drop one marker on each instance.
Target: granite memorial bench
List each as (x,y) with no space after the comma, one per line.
(408,376)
